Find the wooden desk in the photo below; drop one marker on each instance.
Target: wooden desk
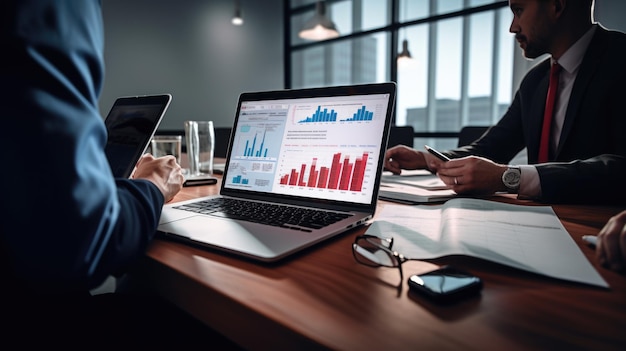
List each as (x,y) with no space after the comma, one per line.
(322,298)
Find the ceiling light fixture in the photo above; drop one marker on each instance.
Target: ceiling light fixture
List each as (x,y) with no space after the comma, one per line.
(237,19)
(405,54)
(319,27)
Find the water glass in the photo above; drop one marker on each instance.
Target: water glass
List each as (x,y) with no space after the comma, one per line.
(162,145)
(200,138)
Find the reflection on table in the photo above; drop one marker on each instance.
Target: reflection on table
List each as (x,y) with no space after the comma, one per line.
(323,298)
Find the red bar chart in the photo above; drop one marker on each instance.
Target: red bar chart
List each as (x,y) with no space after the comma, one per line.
(341,174)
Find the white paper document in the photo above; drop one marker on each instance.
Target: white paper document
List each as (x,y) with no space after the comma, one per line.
(418,178)
(419,186)
(531,238)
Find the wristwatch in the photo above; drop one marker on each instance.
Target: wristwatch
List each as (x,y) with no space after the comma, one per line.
(511,179)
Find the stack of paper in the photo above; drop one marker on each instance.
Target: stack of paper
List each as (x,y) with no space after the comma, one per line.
(414,187)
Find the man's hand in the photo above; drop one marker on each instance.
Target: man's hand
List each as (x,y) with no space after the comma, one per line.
(472,175)
(402,157)
(611,244)
(164,172)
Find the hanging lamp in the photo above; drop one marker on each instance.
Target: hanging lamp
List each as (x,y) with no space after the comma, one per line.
(405,54)
(319,27)
(237,18)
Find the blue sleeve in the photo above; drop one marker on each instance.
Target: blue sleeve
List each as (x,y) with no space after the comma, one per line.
(66,222)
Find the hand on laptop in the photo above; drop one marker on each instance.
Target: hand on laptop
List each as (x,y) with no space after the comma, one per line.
(164,172)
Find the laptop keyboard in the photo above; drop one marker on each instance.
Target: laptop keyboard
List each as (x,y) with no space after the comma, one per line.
(302,219)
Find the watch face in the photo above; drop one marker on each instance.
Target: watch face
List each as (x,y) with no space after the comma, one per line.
(511,178)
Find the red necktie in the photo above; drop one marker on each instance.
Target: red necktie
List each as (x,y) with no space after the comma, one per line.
(544,147)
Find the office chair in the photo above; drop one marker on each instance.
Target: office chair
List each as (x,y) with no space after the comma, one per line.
(400,136)
(470,133)
(222,136)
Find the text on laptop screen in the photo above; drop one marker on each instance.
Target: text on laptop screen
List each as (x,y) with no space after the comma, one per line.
(322,147)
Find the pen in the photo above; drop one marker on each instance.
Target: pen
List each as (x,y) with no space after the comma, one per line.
(590,239)
(438,154)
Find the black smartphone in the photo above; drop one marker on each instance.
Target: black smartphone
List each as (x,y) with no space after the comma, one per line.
(446,284)
(437,154)
(200,180)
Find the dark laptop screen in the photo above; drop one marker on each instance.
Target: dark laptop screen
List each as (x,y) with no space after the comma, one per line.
(130,125)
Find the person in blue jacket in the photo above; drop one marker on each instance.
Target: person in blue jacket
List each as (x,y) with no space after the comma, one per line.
(67,224)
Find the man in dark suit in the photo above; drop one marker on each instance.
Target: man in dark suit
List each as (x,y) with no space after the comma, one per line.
(586,151)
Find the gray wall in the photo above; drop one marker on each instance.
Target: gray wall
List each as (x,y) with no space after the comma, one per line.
(189,48)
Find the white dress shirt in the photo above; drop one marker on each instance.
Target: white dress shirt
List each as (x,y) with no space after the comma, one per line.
(530,185)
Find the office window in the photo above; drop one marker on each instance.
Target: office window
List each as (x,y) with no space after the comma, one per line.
(462,58)
(342,62)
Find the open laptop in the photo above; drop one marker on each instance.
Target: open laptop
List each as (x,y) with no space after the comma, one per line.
(317,149)
(130,124)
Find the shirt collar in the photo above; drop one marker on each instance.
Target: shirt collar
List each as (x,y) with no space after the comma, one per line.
(573,57)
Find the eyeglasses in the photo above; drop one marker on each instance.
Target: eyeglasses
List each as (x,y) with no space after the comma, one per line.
(374,251)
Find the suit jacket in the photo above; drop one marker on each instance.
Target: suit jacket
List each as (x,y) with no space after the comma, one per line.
(66,222)
(589,165)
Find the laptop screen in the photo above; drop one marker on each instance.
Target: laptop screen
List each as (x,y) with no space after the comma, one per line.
(327,146)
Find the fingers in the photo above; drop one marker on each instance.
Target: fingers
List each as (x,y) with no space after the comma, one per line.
(611,245)
(403,157)
(392,165)
(451,172)
(163,171)
(608,250)
(433,163)
(471,176)
(452,182)
(147,156)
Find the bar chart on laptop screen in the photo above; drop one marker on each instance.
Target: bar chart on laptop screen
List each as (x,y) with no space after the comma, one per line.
(331,150)
(341,172)
(256,147)
(329,172)
(345,113)
(260,140)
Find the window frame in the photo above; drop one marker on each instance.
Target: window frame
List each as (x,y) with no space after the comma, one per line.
(392,30)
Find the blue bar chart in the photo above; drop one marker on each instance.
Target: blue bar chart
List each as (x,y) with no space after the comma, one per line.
(361,115)
(260,141)
(240,180)
(321,116)
(331,115)
(250,148)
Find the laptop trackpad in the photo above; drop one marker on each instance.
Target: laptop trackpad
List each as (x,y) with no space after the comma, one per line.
(235,235)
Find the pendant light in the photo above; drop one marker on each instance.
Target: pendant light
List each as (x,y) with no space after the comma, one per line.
(237,18)
(319,27)
(405,54)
